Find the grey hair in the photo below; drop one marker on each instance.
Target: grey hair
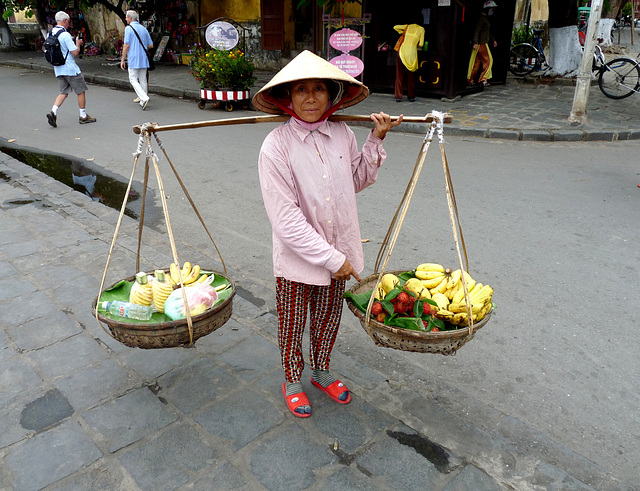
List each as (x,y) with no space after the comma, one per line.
(60,16)
(132,14)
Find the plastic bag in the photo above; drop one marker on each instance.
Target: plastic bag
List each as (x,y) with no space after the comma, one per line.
(200,297)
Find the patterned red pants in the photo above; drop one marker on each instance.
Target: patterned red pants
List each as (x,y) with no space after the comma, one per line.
(324,304)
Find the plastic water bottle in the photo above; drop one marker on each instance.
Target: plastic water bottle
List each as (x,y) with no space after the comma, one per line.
(128,309)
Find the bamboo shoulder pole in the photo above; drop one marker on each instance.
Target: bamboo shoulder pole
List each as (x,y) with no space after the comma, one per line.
(276,118)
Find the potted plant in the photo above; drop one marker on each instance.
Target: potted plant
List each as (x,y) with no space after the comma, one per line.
(221,70)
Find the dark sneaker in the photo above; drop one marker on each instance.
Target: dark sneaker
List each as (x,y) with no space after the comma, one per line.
(52,118)
(86,119)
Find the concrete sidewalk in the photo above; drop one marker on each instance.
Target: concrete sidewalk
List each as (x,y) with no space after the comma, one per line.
(519,110)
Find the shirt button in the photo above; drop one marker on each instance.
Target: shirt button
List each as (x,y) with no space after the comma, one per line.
(324,177)
(328,199)
(329,221)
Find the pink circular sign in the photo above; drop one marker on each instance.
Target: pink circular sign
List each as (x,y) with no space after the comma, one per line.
(345,40)
(351,65)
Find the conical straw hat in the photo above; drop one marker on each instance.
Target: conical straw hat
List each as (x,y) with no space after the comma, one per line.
(309,66)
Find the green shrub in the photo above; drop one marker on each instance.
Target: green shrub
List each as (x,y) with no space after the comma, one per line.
(521,34)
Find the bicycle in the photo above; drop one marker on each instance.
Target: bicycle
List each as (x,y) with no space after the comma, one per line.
(524,58)
(619,78)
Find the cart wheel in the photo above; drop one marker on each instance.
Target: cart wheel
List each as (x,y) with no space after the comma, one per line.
(201,104)
(229,106)
(245,105)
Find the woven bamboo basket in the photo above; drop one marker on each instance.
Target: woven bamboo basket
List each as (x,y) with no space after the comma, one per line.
(443,342)
(168,334)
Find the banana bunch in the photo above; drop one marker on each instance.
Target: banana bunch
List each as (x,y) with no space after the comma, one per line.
(141,290)
(190,274)
(434,277)
(447,290)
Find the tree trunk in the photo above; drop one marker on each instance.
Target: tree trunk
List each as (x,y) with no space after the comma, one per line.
(7,39)
(614,9)
(564,47)
(604,32)
(564,51)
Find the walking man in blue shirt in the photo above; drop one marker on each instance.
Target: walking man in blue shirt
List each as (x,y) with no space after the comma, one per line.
(134,53)
(69,75)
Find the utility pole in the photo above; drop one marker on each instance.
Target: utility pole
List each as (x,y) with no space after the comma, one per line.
(583,81)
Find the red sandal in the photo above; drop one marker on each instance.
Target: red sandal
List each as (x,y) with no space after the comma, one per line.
(334,390)
(294,401)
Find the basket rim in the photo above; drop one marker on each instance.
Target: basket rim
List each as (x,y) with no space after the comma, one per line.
(409,333)
(154,326)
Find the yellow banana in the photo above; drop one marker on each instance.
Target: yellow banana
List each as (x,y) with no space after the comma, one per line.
(476,289)
(202,279)
(430,267)
(471,283)
(428,275)
(459,296)
(445,314)
(428,284)
(462,319)
(482,295)
(455,278)
(441,288)
(450,292)
(174,273)
(186,269)
(462,307)
(193,275)
(484,311)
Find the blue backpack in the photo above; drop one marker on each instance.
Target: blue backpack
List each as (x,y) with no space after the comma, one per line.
(53,49)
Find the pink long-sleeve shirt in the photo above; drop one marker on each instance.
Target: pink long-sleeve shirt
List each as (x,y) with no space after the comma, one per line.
(309,181)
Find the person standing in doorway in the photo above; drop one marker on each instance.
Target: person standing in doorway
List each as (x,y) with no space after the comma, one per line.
(137,42)
(69,75)
(412,38)
(481,54)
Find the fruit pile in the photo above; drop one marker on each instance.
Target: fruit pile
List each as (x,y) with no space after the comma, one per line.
(430,298)
(154,289)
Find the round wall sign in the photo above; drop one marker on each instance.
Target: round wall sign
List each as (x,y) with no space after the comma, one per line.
(345,40)
(222,35)
(351,65)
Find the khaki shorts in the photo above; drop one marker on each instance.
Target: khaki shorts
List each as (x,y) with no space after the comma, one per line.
(75,83)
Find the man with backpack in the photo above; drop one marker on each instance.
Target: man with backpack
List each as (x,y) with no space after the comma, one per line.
(68,73)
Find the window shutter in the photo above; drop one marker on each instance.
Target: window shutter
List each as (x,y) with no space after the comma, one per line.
(272,24)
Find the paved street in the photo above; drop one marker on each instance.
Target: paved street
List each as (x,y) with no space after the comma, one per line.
(542,398)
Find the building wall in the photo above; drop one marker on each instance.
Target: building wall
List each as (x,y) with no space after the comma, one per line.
(245,11)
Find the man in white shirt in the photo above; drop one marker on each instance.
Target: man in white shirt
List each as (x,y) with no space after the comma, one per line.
(134,53)
(69,75)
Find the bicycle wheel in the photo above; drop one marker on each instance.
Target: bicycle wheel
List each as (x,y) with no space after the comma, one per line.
(619,78)
(522,59)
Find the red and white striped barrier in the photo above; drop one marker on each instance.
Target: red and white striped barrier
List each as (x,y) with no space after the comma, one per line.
(224,95)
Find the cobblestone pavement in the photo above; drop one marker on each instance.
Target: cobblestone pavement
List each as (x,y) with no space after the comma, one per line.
(81,411)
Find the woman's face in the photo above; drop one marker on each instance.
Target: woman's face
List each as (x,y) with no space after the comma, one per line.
(309,99)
